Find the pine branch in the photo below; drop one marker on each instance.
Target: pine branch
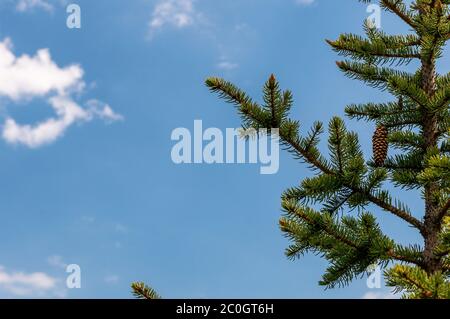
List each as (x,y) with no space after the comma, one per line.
(252,115)
(403,277)
(292,208)
(443,253)
(335,142)
(393,6)
(397,212)
(417,283)
(402,258)
(379,47)
(350,244)
(272,95)
(250,110)
(443,212)
(304,152)
(400,124)
(142,291)
(397,82)
(393,115)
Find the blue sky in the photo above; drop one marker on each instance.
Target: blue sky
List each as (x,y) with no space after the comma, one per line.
(96,185)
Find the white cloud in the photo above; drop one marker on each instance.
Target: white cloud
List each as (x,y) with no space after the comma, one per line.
(25,5)
(103,111)
(26,77)
(49,130)
(227,65)
(379,295)
(304,2)
(57,261)
(26,284)
(175,13)
(184,13)
(31,5)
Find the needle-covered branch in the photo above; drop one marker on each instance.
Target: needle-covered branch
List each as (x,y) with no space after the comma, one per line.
(444,210)
(142,291)
(346,159)
(377,48)
(350,244)
(417,284)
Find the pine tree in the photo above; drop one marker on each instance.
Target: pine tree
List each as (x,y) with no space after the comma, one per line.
(415,126)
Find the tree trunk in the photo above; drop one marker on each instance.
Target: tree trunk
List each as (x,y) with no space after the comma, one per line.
(432,224)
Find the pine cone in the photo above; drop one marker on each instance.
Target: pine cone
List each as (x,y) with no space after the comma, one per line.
(380,145)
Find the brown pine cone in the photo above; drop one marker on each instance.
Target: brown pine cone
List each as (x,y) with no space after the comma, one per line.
(380,145)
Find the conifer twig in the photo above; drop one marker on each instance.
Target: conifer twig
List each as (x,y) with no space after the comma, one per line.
(394,8)
(444,210)
(232,94)
(142,291)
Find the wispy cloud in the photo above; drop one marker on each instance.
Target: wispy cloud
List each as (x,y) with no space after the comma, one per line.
(172,13)
(180,14)
(57,261)
(23,284)
(26,5)
(102,110)
(28,77)
(38,5)
(227,65)
(304,2)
